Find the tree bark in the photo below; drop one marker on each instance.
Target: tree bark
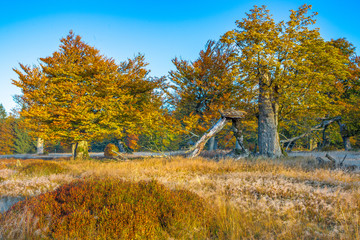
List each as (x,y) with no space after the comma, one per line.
(81,150)
(238,133)
(212,144)
(268,136)
(199,146)
(121,146)
(40,146)
(73,148)
(237,146)
(345,135)
(347,144)
(325,140)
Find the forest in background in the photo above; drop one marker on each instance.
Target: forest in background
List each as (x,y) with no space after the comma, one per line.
(284,75)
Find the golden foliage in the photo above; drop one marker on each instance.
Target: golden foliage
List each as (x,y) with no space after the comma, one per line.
(78,94)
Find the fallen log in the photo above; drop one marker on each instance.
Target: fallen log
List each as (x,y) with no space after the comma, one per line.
(322,162)
(199,146)
(120,155)
(331,158)
(226,115)
(332,163)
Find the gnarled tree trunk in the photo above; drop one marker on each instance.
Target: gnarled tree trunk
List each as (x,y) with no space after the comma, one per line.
(345,135)
(268,136)
(81,150)
(238,133)
(121,146)
(73,148)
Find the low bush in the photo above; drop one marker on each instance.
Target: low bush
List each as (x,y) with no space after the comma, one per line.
(109,209)
(42,168)
(108,152)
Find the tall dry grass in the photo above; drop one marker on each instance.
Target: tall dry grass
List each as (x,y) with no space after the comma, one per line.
(287,198)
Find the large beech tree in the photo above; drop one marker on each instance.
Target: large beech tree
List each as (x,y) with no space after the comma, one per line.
(289,65)
(77,95)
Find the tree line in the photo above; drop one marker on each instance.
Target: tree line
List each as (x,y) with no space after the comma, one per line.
(284,75)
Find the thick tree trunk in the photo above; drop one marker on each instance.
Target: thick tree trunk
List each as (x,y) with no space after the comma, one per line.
(345,135)
(212,144)
(325,141)
(237,145)
(121,146)
(268,136)
(40,146)
(238,133)
(73,148)
(81,150)
(347,144)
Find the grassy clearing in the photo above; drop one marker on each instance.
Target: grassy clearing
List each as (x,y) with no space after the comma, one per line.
(286,198)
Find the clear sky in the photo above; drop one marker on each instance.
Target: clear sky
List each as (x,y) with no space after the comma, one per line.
(161,30)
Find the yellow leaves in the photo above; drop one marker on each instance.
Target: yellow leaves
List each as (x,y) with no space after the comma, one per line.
(190,122)
(296,58)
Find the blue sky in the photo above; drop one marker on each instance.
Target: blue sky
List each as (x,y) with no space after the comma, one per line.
(161,30)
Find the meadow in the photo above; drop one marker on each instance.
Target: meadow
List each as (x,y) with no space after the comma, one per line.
(180,198)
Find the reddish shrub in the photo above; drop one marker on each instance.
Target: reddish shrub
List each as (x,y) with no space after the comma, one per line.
(115,209)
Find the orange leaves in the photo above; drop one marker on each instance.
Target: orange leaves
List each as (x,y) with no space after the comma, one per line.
(204,86)
(78,94)
(7,137)
(131,141)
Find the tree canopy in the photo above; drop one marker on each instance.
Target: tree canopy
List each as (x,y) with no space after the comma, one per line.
(289,65)
(77,94)
(203,87)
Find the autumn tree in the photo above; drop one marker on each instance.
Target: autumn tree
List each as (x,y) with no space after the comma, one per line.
(289,65)
(349,124)
(77,95)
(204,86)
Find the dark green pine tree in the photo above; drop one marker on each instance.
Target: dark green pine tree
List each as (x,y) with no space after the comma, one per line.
(23,143)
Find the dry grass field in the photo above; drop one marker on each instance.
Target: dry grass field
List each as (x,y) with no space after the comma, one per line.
(288,198)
